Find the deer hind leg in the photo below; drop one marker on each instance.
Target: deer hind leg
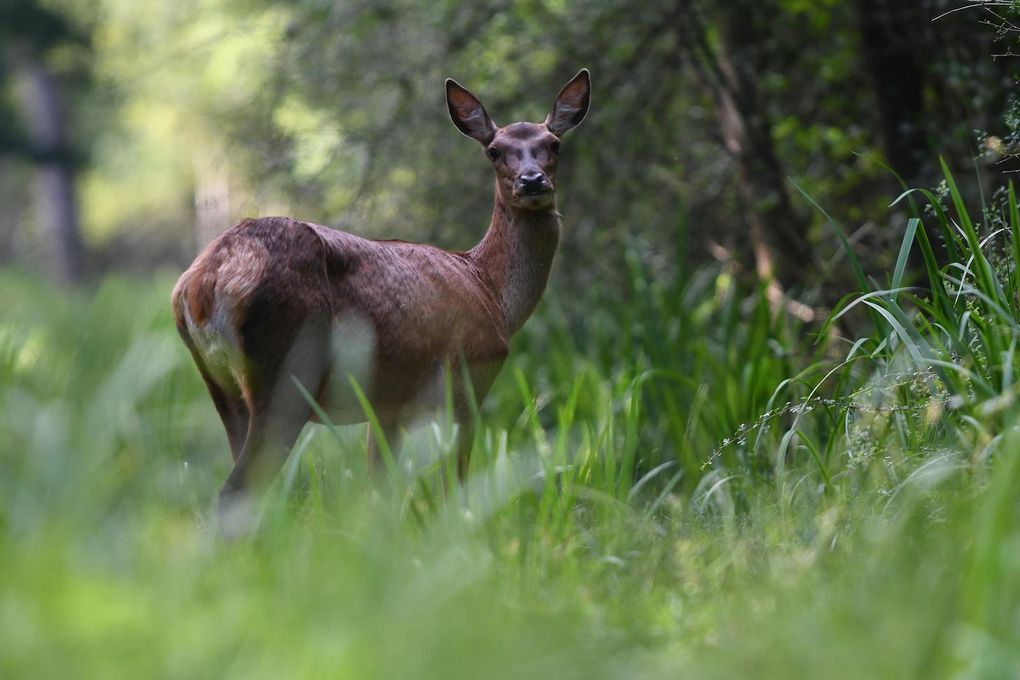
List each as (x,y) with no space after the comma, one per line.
(233,412)
(289,353)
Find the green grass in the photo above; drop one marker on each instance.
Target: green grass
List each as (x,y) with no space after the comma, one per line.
(684,484)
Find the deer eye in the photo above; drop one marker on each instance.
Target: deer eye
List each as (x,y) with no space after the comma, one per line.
(493,153)
(555,146)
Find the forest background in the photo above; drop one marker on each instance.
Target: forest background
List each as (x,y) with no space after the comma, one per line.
(763,423)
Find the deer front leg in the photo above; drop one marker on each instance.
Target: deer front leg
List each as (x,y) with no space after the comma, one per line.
(465,441)
(465,438)
(394,439)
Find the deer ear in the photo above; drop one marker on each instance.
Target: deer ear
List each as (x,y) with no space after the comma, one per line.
(468,114)
(571,104)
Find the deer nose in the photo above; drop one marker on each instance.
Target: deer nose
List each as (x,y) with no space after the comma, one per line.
(532,180)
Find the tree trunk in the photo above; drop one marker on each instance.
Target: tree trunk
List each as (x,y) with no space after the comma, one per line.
(892,46)
(54,181)
(212,199)
(778,236)
(897,74)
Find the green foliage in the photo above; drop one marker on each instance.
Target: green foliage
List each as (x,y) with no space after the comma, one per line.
(689,483)
(334,113)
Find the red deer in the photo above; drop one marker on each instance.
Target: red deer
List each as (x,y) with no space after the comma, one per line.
(274,300)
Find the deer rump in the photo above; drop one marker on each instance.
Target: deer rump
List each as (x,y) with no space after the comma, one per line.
(274,297)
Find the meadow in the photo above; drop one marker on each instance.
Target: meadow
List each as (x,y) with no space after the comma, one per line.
(681,482)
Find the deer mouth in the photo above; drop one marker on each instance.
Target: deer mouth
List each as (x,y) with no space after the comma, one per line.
(534,190)
(534,200)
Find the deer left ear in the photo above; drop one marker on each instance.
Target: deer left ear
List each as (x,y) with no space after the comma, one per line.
(571,105)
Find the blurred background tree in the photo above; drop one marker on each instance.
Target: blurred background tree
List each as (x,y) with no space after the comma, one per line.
(43,58)
(199,112)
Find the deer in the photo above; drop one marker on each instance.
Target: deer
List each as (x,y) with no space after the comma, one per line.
(275,310)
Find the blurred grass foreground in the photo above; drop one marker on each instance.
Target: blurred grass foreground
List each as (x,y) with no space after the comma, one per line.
(757,428)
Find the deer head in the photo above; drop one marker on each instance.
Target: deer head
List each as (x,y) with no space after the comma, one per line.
(524,155)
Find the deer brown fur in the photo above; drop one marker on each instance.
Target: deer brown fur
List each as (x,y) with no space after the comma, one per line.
(274,300)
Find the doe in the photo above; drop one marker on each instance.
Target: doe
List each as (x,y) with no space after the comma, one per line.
(273,300)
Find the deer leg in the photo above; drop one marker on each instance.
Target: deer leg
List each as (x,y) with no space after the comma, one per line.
(465,441)
(477,382)
(394,440)
(271,435)
(229,403)
(233,412)
(270,439)
(278,410)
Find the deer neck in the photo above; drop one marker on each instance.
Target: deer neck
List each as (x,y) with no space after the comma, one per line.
(516,254)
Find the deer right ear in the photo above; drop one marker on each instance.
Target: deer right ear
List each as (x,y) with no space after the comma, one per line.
(468,114)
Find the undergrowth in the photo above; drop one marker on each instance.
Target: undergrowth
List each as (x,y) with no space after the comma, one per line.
(688,483)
